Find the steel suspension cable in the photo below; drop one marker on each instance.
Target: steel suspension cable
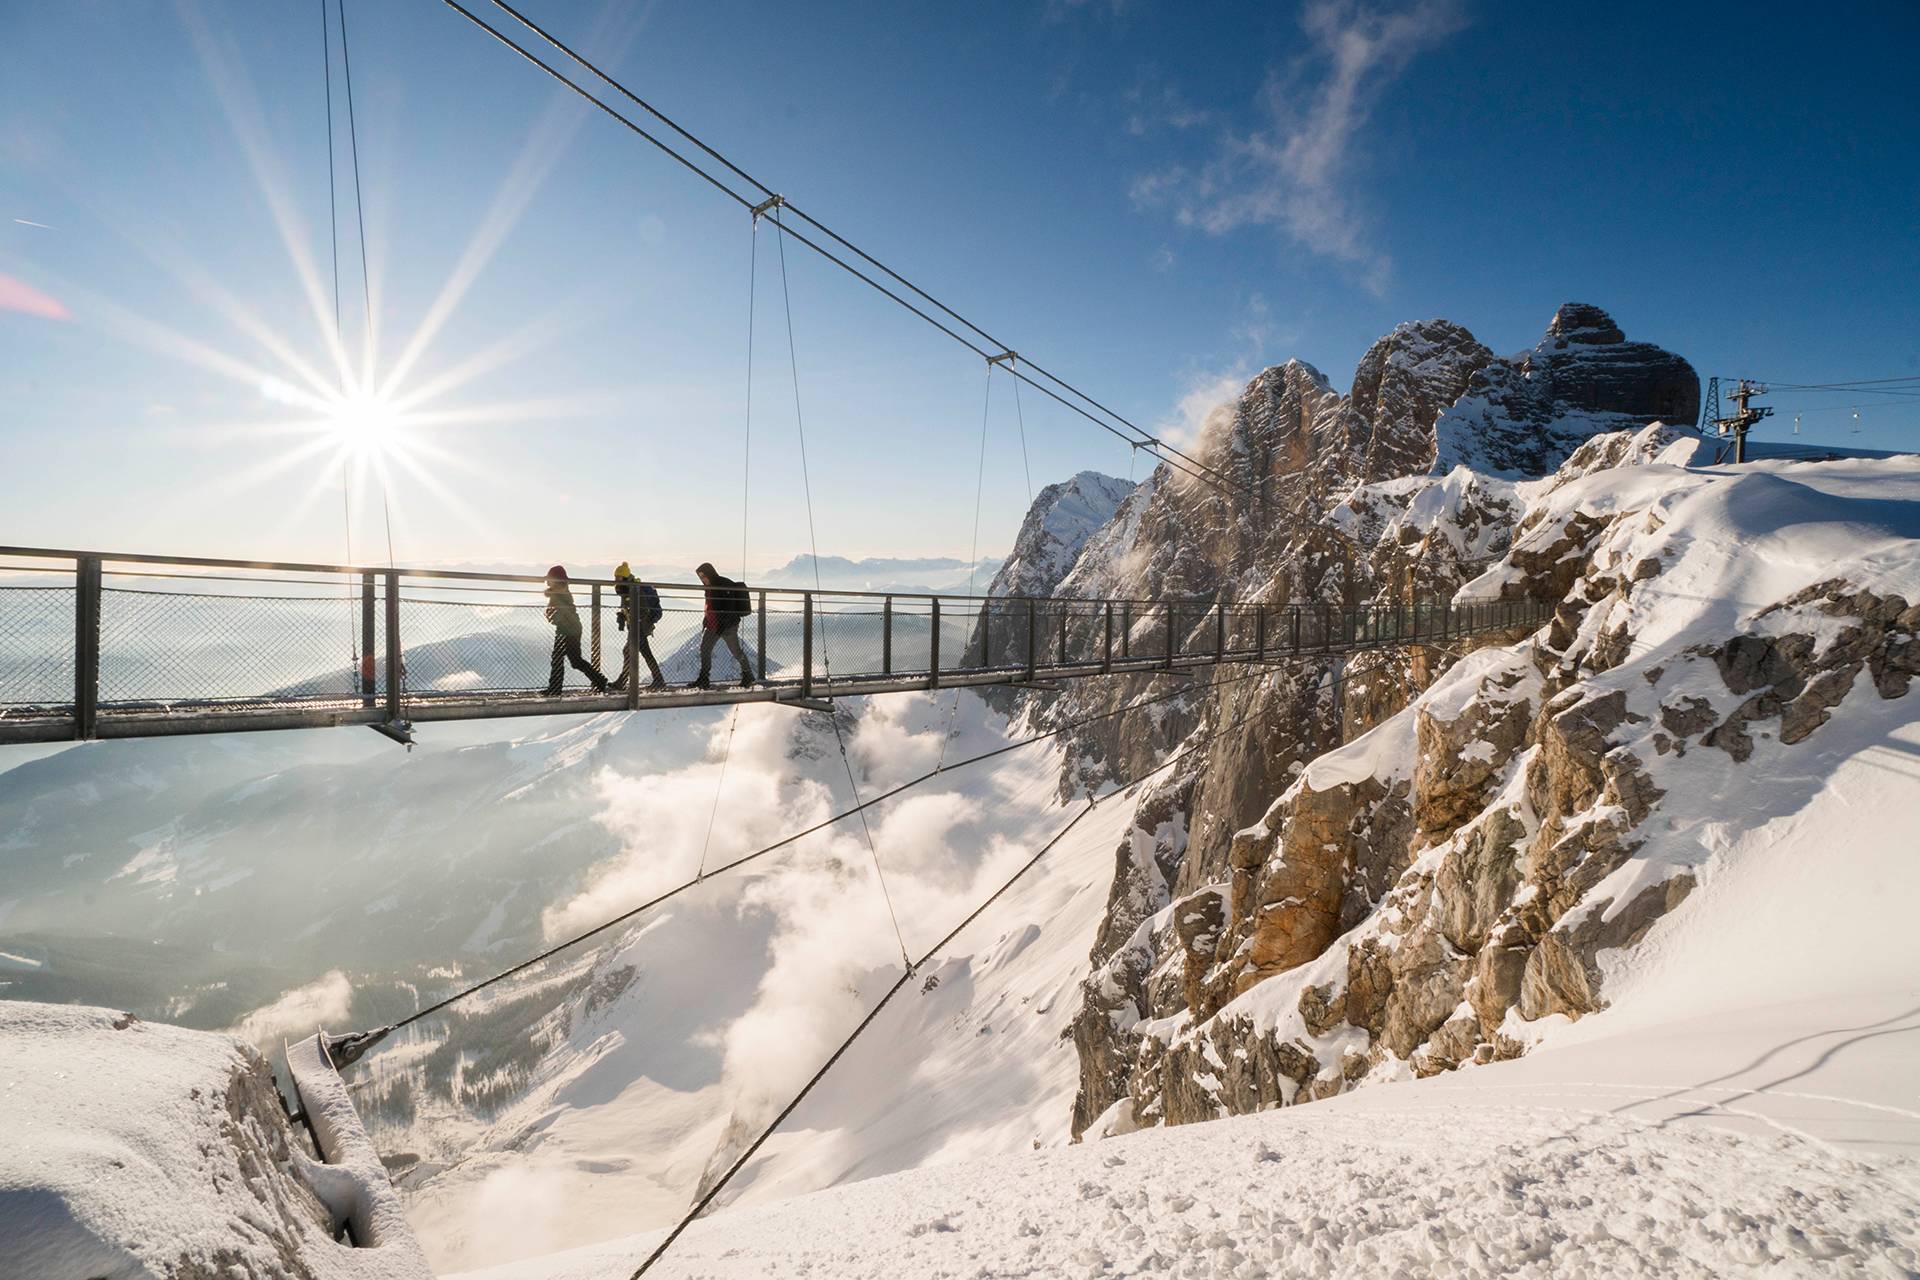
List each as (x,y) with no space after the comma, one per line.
(973,560)
(768,192)
(700,1206)
(746,494)
(366,276)
(1020,417)
(359,208)
(333,242)
(361,1041)
(1179,461)
(826,654)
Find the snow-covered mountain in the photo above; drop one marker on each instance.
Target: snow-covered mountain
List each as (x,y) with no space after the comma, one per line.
(1609,912)
(927,576)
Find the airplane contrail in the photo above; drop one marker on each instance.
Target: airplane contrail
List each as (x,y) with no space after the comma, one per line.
(28,222)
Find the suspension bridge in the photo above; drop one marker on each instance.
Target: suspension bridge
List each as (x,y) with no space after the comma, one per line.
(100,644)
(104,645)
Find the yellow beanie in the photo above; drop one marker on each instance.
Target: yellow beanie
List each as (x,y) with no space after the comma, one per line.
(624,571)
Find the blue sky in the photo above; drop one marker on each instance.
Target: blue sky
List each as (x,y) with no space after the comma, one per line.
(1151,198)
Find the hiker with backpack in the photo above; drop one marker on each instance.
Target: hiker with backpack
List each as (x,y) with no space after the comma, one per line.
(727,603)
(639,609)
(565,618)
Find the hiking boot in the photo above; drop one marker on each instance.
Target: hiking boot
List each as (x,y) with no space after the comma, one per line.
(553,691)
(746,682)
(600,686)
(659,682)
(701,682)
(618,686)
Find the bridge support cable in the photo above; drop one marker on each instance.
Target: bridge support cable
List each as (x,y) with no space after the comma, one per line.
(1080,403)
(348,1049)
(333,244)
(746,496)
(826,649)
(700,1206)
(771,196)
(973,560)
(1020,418)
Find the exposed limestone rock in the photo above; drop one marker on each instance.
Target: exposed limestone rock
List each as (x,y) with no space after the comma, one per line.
(1460,758)
(1525,415)
(1563,975)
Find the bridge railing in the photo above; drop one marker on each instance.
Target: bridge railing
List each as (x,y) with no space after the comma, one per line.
(123,645)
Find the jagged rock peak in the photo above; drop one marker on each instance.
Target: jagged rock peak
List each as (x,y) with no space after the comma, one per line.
(1584,322)
(1401,386)
(1523,416)
(1063,516)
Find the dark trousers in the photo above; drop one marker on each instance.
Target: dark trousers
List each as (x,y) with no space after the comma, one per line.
(728,630)
(566,649)
(646,656)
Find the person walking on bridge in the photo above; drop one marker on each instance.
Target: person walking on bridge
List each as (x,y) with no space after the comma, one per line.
(727,603)
(640,610)
(566,635)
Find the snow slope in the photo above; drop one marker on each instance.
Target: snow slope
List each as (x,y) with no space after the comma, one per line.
(1746,1097)
(1750,1104)
(656,1057)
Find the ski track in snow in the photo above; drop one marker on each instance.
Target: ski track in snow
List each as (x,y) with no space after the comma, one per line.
(1523,1169)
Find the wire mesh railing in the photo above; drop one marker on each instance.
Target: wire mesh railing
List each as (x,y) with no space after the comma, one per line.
(94,645)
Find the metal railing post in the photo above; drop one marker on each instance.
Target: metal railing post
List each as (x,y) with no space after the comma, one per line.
(1219,633)
(933,648)
(631,659)
(596,624)
(394,670)
(760,645)
(1293,627)
(1260,632)
(806,643)
(1033,636)
(86,646)
(1060,655)
(886,637)
(369,684)
(1169,635)
(1126,629)
(1106,645)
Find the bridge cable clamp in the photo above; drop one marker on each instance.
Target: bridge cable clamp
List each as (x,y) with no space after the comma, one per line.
(1005,357)
(768,205)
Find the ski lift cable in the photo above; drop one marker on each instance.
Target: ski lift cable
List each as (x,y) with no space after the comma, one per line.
(1153,445)
(826,654)
(740,1162)
(829,232)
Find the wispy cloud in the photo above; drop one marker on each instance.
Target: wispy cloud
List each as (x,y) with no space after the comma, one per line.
(1153,108)
(18,295)
(1294,172)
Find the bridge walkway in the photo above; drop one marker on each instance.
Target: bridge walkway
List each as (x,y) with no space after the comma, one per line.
(104,645)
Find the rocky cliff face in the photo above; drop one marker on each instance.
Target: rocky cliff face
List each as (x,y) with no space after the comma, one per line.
(1356,498)
(1522,415)
(1053,535)
(1422,895)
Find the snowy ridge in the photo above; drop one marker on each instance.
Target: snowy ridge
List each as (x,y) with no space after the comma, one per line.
(1061,519)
